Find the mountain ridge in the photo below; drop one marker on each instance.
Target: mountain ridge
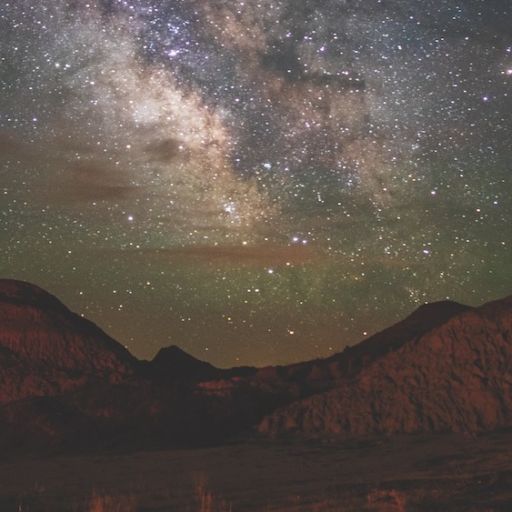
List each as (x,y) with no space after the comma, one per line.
(63,381)
(455,377)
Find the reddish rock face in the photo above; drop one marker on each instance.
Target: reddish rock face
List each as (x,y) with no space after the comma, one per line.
(456,376)
(64,382)
(45,349)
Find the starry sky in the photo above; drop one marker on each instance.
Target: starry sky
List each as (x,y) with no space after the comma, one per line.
(256,181)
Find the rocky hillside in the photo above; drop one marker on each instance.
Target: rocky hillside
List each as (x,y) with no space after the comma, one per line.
(45,349)
(455,376)
(64,383)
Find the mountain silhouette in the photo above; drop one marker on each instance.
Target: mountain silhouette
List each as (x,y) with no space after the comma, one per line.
(66,385)
(453,376)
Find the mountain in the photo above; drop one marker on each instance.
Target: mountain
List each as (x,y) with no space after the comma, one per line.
(321,374)
(45,349)
(66,385)
(455,376)
(174,364)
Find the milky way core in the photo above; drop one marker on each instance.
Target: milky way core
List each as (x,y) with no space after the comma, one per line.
(257,182)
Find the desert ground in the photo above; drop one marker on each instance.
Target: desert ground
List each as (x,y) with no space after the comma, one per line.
(407,473)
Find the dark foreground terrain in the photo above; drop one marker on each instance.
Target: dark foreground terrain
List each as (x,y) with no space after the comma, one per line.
(67,387)
(417,417)
(408,473)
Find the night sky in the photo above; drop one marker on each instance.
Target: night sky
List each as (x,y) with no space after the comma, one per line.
(257,182)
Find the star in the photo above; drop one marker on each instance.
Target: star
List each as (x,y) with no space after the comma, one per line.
(232,169)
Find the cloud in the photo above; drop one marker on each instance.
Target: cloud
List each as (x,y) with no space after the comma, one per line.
(11,146)
(163,151)
(264,255)
(91,181)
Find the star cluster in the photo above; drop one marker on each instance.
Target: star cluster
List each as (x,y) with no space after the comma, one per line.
(258,182)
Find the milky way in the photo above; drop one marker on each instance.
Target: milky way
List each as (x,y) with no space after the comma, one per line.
(261,181)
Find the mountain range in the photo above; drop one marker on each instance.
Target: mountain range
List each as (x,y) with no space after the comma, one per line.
(65,385)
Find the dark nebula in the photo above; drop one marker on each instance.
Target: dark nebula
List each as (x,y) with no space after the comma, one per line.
(257,182)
